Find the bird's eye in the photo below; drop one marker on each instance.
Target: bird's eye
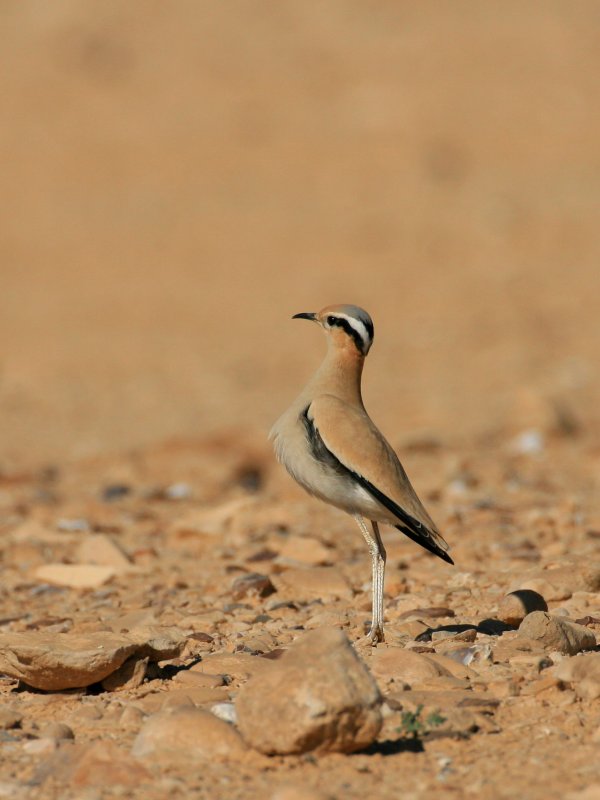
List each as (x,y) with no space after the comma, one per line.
(331,320)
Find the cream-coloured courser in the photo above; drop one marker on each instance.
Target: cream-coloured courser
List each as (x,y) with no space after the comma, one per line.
(328,443)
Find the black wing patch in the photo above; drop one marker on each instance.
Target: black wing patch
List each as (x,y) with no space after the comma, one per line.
(410,526)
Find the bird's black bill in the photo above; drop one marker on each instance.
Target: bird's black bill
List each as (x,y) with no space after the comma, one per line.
(305,315)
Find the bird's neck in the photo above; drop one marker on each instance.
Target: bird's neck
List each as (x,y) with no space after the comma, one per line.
(340,373)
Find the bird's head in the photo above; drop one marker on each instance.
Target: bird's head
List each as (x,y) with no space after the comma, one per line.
(345,325)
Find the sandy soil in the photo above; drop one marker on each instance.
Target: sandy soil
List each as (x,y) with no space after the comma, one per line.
(178,181)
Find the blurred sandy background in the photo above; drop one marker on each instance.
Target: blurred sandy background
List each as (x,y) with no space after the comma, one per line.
(180,178)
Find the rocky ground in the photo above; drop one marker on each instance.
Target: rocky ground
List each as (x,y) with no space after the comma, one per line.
(176,618)
(155,605)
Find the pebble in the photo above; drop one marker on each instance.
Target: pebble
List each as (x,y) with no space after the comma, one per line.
(57,730)
(129,675)
(515,606)
(252,585)
(557,633)
(318,696)
(225,711)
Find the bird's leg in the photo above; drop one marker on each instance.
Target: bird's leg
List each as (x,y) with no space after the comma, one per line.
(377,551)
(378,598)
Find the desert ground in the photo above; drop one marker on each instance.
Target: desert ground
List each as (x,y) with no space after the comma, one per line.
(178,181)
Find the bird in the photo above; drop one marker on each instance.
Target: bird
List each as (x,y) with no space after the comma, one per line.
(330,446)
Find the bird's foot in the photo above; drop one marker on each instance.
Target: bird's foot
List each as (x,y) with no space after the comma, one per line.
(373,637)
(376,635)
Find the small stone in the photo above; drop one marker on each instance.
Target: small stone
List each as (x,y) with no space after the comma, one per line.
(129,675)
(115,491)
(530,442)
(252,585)
(75,576)
(556,633)
(188,733)
(158,642)
(73,525)
(413,627)
(431,612)
(57,730)
(239,666)
(515,606)
(200,679)
(225,711)
(178,491)
(318,696)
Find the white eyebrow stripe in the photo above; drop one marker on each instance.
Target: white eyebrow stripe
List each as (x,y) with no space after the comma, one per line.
(358,326)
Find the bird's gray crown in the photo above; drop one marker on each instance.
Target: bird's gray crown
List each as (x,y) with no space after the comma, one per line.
(354,320)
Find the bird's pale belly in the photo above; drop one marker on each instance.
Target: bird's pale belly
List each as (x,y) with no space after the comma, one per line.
(333,488)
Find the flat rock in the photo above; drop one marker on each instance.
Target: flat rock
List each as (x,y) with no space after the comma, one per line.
(62,661)
(404,666)
(318,696)
(515,606)
(557,633)
(98,548)
(58,661)
(239,666)
(313,582)
(75,576)
(184,733)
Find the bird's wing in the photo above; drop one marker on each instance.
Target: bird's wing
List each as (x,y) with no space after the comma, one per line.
(346,433)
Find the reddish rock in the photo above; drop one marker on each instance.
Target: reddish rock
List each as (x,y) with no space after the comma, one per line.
(556,633)
(318,696)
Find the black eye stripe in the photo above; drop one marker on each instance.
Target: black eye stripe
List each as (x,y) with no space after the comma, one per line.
(347,328)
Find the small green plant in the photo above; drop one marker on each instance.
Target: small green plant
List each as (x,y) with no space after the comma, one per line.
(415,727)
